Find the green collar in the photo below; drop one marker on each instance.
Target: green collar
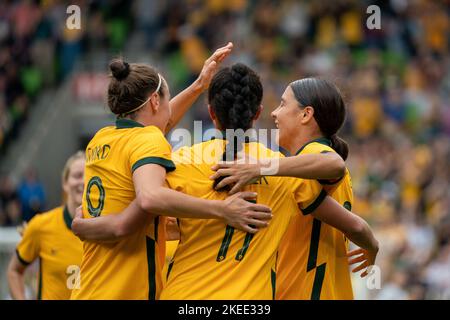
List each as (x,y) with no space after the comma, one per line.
(321,140)
(67,218)
(122,123)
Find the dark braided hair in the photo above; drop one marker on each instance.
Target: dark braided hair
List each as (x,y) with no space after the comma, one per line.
(235,95)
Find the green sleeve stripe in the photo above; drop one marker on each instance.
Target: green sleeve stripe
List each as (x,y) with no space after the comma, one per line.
(22,261)
(167,164)
(329,181)
(313,206)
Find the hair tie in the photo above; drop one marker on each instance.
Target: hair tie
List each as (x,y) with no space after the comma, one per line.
(143,103)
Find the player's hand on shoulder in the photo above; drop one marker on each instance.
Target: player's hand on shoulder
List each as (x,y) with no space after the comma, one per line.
(236,174)
(244,215)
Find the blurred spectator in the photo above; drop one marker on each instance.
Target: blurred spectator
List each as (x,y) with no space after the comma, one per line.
(38,51)
(9,203)
(31,195)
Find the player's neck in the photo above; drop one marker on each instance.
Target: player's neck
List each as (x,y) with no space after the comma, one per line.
(150,121)
(71,207)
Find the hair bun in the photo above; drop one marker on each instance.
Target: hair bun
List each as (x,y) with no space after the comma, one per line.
(119,69)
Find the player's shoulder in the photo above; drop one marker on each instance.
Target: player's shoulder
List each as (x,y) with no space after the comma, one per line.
(153,130)
(261,151)
(181,154)
(100,135)
(45,219)
(149,139)
(150,134)
(104,131)
(205,152)
(317,146)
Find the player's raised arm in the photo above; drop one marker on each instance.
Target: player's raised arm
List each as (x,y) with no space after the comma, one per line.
(184,100)
(307,166)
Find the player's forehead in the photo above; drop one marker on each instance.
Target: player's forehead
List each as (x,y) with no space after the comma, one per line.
(77,165)
(287,95)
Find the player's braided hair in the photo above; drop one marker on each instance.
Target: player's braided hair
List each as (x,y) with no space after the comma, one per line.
(235,94)
(130,86)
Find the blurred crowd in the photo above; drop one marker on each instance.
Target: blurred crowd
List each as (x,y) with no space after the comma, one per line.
(20,202)
(395,80)
(38,51)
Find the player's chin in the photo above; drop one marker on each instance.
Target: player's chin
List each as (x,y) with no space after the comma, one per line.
(281,139)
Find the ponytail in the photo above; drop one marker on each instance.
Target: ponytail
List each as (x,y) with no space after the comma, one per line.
(340,146)
(232,148)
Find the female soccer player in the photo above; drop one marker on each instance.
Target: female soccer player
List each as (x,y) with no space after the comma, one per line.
(48,236)
(213,260)
(130,160)
(313,256)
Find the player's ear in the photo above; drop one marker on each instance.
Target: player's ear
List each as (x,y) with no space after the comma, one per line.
(212,114)
(154,102)
(65,186)
(307,114)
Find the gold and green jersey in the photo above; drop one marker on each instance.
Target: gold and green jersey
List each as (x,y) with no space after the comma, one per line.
(48,236)
(312,261)
(131,267)
(216,261)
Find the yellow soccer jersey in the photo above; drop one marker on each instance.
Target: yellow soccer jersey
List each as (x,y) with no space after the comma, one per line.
(312,262)
(215,261)
(49,237)
(131,267)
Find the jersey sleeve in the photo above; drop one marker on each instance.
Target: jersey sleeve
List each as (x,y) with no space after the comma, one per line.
(150,148)
(308,194)
(178,179)
(315,148)
(29,246)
